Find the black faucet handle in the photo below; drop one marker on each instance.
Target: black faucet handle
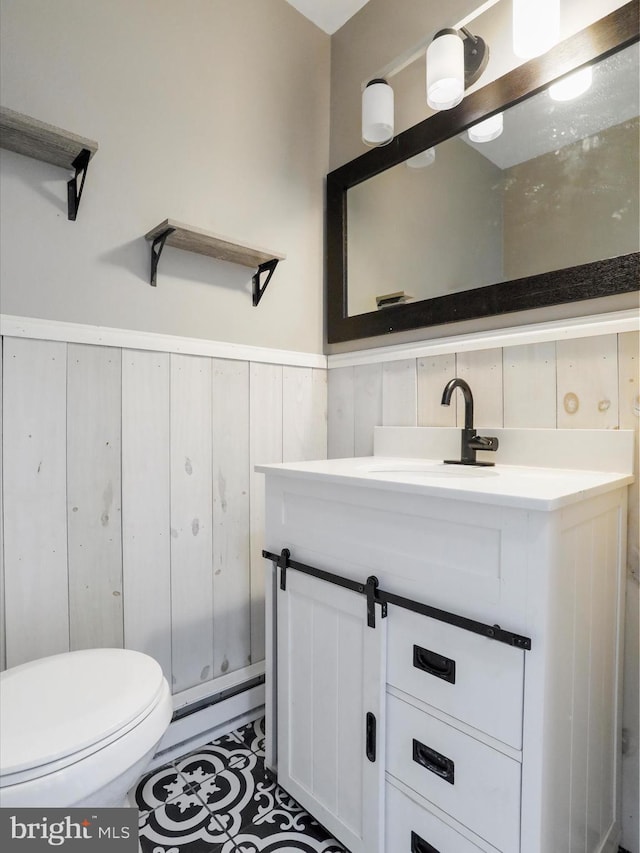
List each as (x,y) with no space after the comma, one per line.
(484,442)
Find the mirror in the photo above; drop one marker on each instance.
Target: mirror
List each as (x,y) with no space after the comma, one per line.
(545,213)
(557,188)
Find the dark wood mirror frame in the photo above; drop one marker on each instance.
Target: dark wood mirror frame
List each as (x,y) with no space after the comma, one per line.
(587,281)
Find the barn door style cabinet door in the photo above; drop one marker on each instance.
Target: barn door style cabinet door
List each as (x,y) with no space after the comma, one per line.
(331,708)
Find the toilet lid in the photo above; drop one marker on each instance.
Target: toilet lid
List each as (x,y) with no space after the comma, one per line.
(55,706)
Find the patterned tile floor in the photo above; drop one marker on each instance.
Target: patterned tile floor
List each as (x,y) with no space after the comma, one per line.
(219,799)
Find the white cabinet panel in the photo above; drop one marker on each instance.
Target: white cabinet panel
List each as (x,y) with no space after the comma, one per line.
(331,675)
(412,828)
(429,545)
(465,778)
(472,678)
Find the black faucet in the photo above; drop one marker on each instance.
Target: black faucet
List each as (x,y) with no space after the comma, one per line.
(470,441)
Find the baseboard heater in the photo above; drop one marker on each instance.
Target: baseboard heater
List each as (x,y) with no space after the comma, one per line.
(216,698)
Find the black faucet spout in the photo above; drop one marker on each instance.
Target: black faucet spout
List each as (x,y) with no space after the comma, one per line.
(470,441)
(449,388)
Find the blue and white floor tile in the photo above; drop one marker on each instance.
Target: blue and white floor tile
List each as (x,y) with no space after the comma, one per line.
(219,799)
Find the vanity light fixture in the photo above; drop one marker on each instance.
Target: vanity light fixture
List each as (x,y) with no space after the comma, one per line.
(486,130)
(377,113)
(536,27)
(421,160)
(572,86)
(455,60)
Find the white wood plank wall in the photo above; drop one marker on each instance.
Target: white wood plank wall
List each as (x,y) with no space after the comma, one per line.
(191,521)
(3,655)
(231,539)
(629,403)
(146,506)
(35,499)
(131,513)
(266,433)
(94,497)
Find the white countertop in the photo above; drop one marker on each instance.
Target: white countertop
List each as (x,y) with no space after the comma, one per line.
(504,485)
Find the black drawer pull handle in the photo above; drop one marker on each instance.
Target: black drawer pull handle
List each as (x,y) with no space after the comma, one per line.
(371,737)
(419,845)
(433,761)
(434,664)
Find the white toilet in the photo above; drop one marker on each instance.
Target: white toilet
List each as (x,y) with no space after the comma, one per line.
(79,729)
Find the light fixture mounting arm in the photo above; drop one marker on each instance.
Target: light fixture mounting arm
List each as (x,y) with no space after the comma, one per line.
(476,57)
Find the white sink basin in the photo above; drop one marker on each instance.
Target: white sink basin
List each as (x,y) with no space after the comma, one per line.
(433,469)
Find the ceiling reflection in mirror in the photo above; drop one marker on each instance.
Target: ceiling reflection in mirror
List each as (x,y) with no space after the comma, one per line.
(558,188)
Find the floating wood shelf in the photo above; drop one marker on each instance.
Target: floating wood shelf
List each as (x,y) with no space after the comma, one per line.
(180,236)
(34,138)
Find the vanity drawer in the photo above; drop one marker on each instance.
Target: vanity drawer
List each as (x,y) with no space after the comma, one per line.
(476,785)
(410,828)
(469,677)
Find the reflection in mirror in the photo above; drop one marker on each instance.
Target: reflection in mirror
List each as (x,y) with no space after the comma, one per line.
(558,188)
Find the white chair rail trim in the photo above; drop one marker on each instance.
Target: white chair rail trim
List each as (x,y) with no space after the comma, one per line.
(77,333)
(555,330)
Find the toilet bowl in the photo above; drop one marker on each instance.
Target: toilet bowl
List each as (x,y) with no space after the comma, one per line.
(79,728)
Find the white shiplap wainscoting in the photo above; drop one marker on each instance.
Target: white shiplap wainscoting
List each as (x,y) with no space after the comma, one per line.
(132,516)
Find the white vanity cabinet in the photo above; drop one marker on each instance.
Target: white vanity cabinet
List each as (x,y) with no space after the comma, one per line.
(480,745)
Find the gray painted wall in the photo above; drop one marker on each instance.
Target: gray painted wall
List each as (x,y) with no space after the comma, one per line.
(212,113)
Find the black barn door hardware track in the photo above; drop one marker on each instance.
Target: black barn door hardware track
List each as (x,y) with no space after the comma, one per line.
(375,595)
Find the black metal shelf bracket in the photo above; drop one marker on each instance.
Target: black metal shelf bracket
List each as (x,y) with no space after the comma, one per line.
(258,289)
(156,250)
(74,193)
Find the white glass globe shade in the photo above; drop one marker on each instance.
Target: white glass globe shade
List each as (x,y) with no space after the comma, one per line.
(445,71)
(377,113)
(572,86)
(536,27)
(422,160)
(486,130)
